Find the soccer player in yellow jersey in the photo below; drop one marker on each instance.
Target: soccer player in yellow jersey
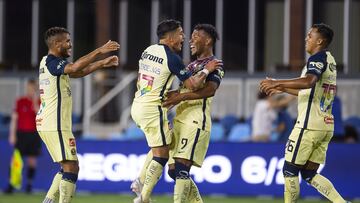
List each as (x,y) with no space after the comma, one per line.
(192,122)
(53,121)
(308,142)
(158,65)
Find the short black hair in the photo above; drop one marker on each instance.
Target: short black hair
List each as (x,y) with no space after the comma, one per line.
(167,26)
(54,31)
(210,30)
(325,31)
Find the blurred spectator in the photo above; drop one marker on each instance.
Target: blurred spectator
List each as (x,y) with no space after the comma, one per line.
(263,119)
(339,130)
(285,122)
(23,135)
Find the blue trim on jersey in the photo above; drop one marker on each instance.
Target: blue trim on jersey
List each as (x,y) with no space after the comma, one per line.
(164,88)
(297,146)
(216,76)
(204,114)
(59,118)
(175,64)
(311,96)
(55,65)
(162,127)
(195,142)
(317,64)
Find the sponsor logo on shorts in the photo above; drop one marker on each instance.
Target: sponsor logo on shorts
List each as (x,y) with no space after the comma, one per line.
(72,142)
(73,151)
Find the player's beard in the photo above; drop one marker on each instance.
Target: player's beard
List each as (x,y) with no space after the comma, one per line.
(64,52)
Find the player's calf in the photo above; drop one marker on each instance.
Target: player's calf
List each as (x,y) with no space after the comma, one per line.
(291,185)
(182,182)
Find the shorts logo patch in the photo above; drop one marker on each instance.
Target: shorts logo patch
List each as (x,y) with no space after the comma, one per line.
(72,142)
(73,151)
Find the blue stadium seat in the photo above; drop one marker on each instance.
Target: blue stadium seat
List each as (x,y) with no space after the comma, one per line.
(75,118)
(117,136)
(240,133)
(4,125)
(217,132)
(134,133)
(228,122)
(353,121)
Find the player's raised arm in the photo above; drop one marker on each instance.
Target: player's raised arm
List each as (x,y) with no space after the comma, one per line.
(205,92)
(269,85)
(86,60)
(195,81)
(104,63)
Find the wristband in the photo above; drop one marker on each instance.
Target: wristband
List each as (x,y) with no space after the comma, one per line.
(206,71)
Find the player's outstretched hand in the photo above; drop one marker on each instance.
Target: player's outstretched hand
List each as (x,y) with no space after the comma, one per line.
(172,99)
(269,86)
(213,65)
(111,61)
(109,47)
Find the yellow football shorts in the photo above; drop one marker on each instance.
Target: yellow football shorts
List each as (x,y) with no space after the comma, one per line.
(307,145)
(60,144)
(190,143)
(153,121)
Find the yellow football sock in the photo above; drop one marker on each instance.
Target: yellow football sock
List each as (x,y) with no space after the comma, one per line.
(182,190)
(148,159)
(53,192)
(152,176)
(194,194)
(326,188)
(291,189)
(67,191)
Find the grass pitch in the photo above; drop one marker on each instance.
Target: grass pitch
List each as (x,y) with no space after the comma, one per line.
(121,198)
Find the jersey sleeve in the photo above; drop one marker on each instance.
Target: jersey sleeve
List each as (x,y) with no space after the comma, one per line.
(216,76)
(56,65)
(316,65)
(177,67)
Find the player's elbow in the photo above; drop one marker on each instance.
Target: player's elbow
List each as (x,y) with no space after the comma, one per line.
(72,68)
(190,84)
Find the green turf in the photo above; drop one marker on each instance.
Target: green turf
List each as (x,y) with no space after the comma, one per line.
(113,198)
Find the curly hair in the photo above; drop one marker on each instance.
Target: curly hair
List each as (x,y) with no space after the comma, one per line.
(210,30)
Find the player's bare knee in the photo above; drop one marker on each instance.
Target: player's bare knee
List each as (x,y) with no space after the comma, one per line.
(162,151)
(311,166)
(307,175)
(186,162)
(70,166)
(290,170)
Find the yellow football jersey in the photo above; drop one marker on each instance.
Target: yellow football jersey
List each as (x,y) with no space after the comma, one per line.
(197,112)
(55,95)
(157,67)
(315,104)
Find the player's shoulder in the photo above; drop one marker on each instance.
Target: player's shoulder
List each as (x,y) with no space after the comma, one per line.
(172,57)
(320,56)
